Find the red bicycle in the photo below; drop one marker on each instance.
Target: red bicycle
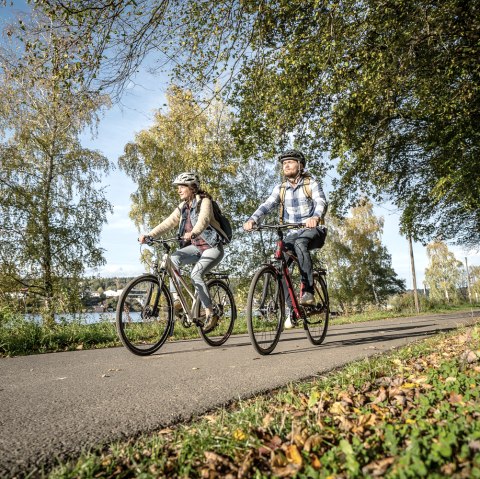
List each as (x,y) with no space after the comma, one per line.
(266,298)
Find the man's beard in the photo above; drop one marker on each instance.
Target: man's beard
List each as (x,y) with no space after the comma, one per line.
(292,176)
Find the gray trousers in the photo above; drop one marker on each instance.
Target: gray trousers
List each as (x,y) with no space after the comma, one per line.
(204,262)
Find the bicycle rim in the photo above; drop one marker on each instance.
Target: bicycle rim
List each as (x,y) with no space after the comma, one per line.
(316,322)
(144,315)
(265,310)
(223,305)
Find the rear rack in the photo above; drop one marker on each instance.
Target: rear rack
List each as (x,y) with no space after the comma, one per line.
(217,275)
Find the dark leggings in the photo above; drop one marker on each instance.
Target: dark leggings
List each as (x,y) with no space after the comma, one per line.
(301,242)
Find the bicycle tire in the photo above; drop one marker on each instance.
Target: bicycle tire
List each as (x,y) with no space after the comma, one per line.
(223,303)
(265,310)
(144,315)
(316,321)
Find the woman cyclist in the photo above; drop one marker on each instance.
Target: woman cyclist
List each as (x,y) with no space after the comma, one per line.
(202,236)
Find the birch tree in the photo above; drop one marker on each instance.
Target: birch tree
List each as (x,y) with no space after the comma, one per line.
(51,206)
(444,272)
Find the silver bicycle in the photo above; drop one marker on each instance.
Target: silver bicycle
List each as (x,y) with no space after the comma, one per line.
(146,313)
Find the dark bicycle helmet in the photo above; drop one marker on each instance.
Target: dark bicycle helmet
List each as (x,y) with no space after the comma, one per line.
(293,155)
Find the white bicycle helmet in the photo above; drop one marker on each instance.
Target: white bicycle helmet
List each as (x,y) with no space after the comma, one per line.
(188,178)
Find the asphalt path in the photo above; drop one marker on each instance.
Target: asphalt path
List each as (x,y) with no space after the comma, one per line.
(53,406)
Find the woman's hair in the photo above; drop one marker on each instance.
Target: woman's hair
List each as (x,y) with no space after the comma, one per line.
(203,193)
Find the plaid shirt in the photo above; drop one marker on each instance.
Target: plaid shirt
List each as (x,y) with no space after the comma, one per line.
(297,207)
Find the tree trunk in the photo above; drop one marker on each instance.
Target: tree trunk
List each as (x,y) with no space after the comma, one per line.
(414,276)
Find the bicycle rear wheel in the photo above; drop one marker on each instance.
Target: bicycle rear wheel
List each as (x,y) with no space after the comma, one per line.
(144,315)
(316,321)
(223,304)
(265,310)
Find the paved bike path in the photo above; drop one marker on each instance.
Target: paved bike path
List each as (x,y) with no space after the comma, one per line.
(54,405)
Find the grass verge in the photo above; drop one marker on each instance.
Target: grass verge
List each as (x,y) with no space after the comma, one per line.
(413,413)
(19,336)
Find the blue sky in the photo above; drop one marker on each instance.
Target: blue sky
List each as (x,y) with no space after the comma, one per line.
(119,236)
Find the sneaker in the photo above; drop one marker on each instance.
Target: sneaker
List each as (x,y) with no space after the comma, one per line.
(307,299)
(288,322)
(210,323)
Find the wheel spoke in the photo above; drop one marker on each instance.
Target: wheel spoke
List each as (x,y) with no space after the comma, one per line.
(223,305)
(144,315)
(316,322)
(265,310)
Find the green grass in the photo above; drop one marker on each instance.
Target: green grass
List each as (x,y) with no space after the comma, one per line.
(413,413)
(19,336)
(389,314)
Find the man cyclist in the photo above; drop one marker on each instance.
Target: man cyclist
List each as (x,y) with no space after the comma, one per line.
(297,207)
(202,236)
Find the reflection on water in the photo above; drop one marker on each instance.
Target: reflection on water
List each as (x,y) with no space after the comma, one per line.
(84,318)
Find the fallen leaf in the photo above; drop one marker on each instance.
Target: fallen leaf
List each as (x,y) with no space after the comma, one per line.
(381,396)
(378,468)
(338,408)
(471,357)
(288,471)
(315,462)
(239,435)
(293,455)
(267,420)
(312,442)
(246,465)
(474,445)
(455,398)
(278,459)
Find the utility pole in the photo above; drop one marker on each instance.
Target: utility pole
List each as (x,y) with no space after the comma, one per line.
(414,276)
(468,281)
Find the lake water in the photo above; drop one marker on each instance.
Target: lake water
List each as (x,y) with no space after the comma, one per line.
(84,318)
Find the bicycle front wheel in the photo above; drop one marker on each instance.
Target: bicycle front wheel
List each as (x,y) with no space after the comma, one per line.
(144,315)
(223,305)
(316,321)
(265,310)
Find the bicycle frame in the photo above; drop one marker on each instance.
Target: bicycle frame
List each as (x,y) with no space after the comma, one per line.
(283,271)
(279,255)
(166,268)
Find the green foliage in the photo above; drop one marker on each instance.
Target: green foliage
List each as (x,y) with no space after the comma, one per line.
(21,336)
(444,272)
(359,266)
(51,208)
(389,89)
(184,138)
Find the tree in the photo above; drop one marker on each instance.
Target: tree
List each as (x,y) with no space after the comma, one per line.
(389,88)
(51,207)
(444,273)
(183,138)
(359,266)
(475,282)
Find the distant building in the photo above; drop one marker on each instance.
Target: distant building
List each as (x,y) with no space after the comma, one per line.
(110,293)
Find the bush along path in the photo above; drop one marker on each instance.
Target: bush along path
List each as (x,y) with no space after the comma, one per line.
(415,413)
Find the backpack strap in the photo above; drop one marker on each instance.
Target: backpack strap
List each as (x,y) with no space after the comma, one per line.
(283,188)
(307,187)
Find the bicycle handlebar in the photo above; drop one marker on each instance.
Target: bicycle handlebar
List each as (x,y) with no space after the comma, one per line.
(150,241)
(284,226)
